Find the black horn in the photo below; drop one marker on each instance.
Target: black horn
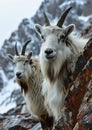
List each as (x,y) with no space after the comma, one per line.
(24,47)
(46,19)
(63,16)
(16,50)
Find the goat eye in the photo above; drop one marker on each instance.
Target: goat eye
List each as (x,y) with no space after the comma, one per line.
(42,37)
(31,62)
(26,61)
(62,38)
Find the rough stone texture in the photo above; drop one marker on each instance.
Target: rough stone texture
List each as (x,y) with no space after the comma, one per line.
(79,99)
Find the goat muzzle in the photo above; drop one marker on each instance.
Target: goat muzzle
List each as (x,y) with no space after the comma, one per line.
(19,75)
(49,53)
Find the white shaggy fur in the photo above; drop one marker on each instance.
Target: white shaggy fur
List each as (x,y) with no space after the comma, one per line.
(30,82)
(56,65)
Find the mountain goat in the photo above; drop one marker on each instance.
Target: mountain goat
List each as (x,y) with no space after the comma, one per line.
(59,52)
(29,77)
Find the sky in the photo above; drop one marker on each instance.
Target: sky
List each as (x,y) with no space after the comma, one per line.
(11,14)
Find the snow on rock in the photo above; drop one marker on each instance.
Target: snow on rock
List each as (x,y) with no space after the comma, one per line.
(6,102)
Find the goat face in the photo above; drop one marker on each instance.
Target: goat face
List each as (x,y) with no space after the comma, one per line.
(55,49)
(54,36)
(54,40)
(22,65)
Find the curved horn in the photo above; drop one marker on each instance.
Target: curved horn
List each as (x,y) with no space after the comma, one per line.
(63,16)
(24,47)
(46,19)
(16,49)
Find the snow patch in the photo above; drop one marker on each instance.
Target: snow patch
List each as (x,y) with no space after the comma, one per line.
(84,18)
(6,102)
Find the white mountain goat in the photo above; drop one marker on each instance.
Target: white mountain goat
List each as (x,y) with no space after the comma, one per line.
(58,56)
(29,77)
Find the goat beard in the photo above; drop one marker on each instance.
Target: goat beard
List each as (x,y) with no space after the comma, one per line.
(51,71)
(23,85)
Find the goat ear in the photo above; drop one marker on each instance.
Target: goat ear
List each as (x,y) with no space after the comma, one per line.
(38,28)
(69,29)
(10,57)
(29,55)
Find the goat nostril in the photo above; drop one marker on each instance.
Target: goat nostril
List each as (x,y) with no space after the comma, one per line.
(18,74)
(48,51)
